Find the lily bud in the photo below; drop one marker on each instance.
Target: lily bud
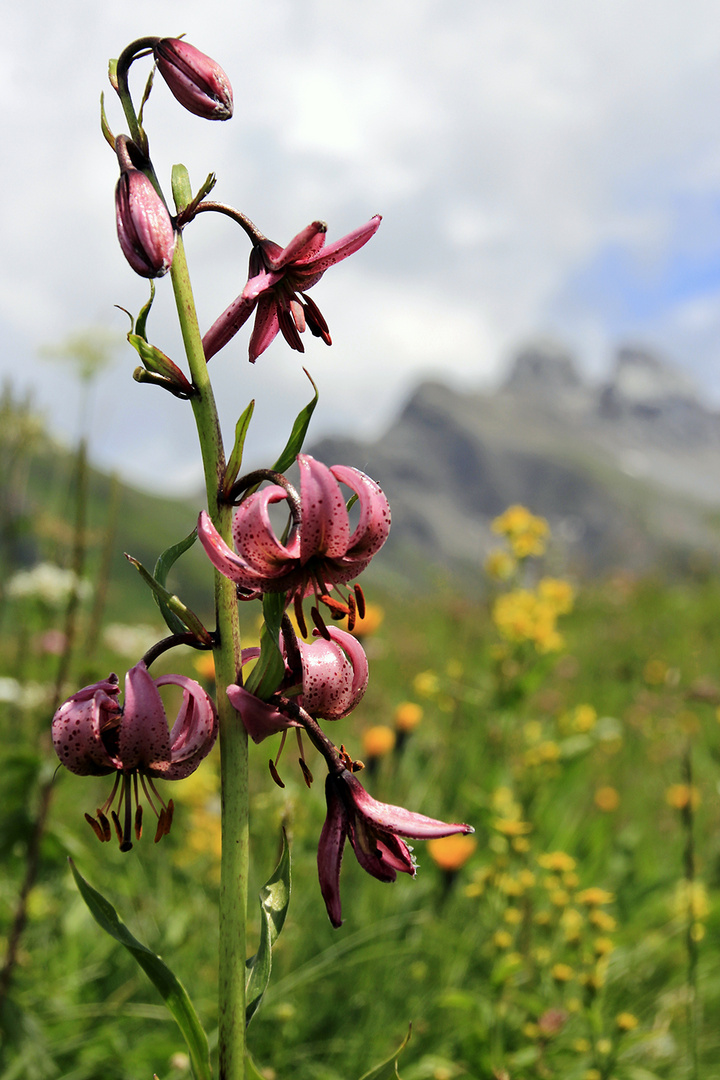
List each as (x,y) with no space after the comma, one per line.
(144,228)
(194,79)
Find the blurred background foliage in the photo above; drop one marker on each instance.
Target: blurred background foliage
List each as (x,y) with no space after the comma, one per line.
(574,724)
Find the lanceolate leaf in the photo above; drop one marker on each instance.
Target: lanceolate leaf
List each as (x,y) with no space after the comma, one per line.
(387,1070)
(141,321)
(235,460)
(274,899)
(267,674)
(298,433)
(181,189)
(168,986)
(179,617)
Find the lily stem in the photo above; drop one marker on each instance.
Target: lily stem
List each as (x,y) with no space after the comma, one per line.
(233,738)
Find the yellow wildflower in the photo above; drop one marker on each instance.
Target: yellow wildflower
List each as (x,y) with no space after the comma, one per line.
(562,973)
(603,946)
(581,1046)
(584,718)
(626,1021)
(557,593)
(512,916)
(204,664)
(510,827)
(407,716)
(594,897)
(426,684)
(560,898)
(500,565)
(558,861)
(451,852)
(602,920)
(607,799)
(377,741)
(680,796)
(502,939)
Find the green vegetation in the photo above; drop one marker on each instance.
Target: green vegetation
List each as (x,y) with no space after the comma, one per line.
(578,939)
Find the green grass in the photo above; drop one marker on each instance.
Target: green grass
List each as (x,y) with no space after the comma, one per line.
(424,951)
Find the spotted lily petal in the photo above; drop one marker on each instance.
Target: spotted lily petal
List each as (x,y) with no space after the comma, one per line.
(77,724)
(325,526)
(193,733)
(144,737)
(335,674)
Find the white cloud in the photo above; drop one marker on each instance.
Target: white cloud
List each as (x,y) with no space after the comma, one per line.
(510,146)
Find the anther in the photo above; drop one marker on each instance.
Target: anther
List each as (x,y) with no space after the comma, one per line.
(352,613)
(319,623)
(359,600)
(96,828)
(338,609)
(104,825)
(300,616)
(161,830)
(275,774)
(307,775)
(138,821)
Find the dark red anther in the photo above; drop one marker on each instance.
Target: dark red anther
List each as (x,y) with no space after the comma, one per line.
(359,600)
(300,615)
(96,828)
(138,821)
(357,766)
(352,613)
(307,775)
(161,830)
(104,825)
(319,623)
(275,774)
(169,816)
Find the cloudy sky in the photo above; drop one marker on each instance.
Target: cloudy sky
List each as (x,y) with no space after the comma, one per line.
(544,168)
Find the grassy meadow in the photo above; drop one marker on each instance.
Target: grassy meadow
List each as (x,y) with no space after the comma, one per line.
(576,936)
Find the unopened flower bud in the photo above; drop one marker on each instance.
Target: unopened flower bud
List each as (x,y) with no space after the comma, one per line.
(144,228)
(194,79)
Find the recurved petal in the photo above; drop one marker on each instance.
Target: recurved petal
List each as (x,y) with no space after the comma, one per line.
(227,325)
(76,728)
(301,248)
(375,855)
(330,852)
(334,253)
(223,558)
(260,719)
(144,738)
(373,524)
(194,731)
(395,819)
(325,528)
(267,325)
(335,674)
(255,537)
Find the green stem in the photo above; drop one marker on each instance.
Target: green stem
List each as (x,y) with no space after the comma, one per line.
(233,738)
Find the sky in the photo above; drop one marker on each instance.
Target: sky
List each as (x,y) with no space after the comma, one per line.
(544,168)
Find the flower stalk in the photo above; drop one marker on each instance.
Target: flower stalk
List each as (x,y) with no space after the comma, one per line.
(232,735)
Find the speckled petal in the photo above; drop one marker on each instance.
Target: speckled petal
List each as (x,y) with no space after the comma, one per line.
(144,736)
(303,247)
(76,728)
(325,528)
(224,559)
(335,674)
(266,328)
(373,526)
(330,852)
(227,325)
(194,731)
(255,538)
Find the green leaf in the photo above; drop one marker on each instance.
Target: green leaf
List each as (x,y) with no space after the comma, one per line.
(162,568)
(181,189)
(168,986)
(105,127)
(387,1070)
(157,363)
(235,459)
(274,900)
(298,433)
(269,669)
(187,618)
(141,321)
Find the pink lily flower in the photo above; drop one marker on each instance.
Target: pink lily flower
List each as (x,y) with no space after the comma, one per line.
(333,677)
(94,735)
(375,830)
(278,281)
(320,550)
